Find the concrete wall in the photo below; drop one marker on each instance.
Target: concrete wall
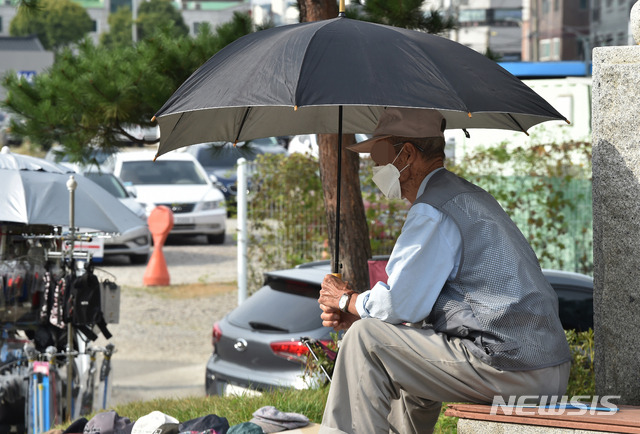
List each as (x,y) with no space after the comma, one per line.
(616,221)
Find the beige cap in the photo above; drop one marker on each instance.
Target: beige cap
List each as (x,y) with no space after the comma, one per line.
(403,122)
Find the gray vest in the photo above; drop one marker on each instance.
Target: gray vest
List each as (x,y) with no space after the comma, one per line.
(499,302)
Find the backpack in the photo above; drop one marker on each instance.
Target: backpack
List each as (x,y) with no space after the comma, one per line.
(83,306)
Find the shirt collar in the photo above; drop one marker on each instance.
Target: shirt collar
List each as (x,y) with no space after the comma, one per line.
(426,179)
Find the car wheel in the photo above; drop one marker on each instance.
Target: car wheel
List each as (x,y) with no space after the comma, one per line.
(138,259)
(214,387)
(216,238)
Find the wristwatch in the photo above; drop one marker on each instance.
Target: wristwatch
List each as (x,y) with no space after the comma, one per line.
(343,303)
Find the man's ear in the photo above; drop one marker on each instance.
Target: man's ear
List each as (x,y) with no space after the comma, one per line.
(412,152)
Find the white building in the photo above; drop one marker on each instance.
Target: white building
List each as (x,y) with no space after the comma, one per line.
(571,96)
(278,12)
(609,22)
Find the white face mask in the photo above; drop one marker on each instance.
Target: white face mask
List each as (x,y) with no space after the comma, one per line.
(387,178)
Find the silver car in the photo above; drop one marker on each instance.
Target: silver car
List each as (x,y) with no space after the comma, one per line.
(135,243)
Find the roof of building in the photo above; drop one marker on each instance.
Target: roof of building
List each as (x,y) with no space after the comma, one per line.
(525,70)
(20,43)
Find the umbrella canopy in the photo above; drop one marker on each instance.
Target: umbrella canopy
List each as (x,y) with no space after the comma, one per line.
(292,80)
(34,192)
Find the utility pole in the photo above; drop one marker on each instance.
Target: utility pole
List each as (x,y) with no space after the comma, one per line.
(134,18)
(533,45)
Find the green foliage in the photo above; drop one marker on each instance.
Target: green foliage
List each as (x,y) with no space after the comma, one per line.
(445,424)
(160,15)
(120,29)
(493,55)
(287,218)
(319,362)
(287,224)
(26,4)
(546,190)
(92,93)
(57,23)
(240,25)
(582,380)
(404,13)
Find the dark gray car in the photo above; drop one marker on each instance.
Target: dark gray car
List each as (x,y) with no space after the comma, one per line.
(257,345)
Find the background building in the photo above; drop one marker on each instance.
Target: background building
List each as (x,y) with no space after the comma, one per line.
(193,12)
(608,23)
(24,55)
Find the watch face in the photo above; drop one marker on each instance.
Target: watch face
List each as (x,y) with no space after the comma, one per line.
(342,303)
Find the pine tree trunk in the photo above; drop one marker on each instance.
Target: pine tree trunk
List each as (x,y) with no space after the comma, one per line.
(355,248)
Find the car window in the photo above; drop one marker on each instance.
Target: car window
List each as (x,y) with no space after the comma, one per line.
(295,302)
(265,141)
(165,172)
(226,156)
(60,156)
(109,183)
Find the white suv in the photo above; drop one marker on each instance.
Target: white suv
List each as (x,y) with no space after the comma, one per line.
(179,182)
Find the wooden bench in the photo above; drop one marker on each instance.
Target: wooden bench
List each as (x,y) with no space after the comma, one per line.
(477,419)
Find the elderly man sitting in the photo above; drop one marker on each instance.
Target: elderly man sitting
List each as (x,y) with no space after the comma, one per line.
(466,313)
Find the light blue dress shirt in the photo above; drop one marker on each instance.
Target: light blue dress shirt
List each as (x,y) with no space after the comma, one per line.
(425,255)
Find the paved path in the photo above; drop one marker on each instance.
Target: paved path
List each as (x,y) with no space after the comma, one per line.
(163,343)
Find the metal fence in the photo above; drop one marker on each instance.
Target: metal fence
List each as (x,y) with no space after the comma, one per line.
(289,227)
(558,221)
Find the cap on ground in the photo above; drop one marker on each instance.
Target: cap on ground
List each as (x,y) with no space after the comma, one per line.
(149,423)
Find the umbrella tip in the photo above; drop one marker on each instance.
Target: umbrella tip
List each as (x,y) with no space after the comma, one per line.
(568,121)
(469,114)
(153,119)
(295,108)
(155,157)
(235,142)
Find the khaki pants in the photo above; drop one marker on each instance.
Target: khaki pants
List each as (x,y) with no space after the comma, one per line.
(394,378)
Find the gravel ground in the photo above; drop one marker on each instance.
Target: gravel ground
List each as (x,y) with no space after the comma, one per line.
(163,338)
(161,325)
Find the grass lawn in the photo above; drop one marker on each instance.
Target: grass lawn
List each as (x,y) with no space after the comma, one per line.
(238,409)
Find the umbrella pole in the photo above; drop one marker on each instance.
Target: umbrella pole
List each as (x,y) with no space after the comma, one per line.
(335,267)
(71,186)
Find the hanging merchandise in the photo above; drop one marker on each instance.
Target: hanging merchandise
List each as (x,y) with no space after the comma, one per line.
(21,283)
(53,309)
(43,406)
(83,307)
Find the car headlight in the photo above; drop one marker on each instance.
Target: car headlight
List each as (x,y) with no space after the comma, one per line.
(220,186)
(149,207)
(210,204)
(141,241)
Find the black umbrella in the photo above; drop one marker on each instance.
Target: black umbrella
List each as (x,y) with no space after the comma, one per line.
(337,76)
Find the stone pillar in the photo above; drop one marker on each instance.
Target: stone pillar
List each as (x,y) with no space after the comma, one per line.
(616,221)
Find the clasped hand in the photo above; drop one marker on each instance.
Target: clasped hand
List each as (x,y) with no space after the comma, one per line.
(330,293)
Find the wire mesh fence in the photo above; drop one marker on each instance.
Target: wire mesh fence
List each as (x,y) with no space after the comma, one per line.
(287,224)
(555,216)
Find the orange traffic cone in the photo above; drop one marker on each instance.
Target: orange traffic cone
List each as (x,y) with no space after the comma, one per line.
(160,223)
